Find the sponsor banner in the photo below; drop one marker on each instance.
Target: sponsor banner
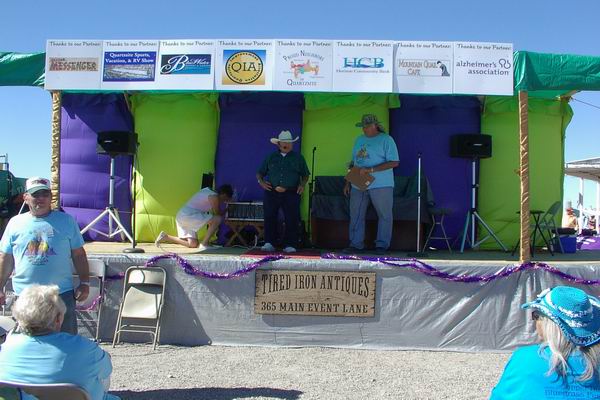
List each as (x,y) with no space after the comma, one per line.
(73,64)
(129,64)
(483,68)
(424,67)
(326,293)
(244,64)
(363,66)
(303,65)
(186,64)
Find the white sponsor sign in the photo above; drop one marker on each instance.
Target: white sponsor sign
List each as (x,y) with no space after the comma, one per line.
(363,66)
(244,64)
(483,68)
(129,64)
(186,64)
(73,64)
(303,65)
(423,67)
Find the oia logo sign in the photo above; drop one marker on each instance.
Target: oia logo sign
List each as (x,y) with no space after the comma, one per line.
(244,67)
(363,62)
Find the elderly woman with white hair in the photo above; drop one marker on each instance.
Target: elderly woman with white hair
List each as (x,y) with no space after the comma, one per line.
(38,353)
(566,363)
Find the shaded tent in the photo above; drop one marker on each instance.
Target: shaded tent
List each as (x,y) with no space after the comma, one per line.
(547,76)
(588,169)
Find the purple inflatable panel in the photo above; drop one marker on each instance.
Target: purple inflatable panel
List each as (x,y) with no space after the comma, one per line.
(248,122)
(84,174)
(425,124)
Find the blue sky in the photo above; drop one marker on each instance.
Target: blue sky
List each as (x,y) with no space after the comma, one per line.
(544,26)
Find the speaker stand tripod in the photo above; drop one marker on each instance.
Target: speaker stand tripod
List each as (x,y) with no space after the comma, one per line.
(473,217)
(110,211)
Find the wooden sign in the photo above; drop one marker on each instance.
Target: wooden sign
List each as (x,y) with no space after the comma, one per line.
(327,293)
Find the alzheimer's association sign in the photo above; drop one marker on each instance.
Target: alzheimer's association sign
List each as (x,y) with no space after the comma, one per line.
(325,293)
(483,68)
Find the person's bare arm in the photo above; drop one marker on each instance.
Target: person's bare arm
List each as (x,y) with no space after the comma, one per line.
(380,167)
(264,184)
(83,271)
(7,264)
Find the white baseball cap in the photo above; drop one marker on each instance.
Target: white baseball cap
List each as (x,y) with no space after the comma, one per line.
(36,183)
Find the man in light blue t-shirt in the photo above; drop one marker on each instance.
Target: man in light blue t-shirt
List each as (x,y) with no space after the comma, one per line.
(375,153)
(42,247)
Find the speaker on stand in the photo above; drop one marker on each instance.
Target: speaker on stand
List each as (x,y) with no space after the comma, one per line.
(113,144)
(474,147)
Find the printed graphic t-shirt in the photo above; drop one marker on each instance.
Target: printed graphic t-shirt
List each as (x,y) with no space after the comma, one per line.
(371,151)
(42,248)
(525,377)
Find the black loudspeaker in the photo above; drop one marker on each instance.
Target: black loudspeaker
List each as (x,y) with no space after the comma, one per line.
(207,180)
(471,146)
(116,142)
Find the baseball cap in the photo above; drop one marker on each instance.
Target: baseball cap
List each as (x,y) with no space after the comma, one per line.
(36,183)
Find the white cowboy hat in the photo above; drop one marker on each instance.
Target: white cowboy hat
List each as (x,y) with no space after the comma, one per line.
(284,136)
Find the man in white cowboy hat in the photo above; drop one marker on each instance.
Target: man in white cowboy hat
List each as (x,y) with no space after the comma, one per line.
(283,175)
(374,153)
(43,246)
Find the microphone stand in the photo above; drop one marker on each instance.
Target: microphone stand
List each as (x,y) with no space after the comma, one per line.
(419,252)
(133,248)
(311,188)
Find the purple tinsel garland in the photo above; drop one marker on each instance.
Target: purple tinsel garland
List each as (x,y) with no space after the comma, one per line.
(429,270)
(409,263)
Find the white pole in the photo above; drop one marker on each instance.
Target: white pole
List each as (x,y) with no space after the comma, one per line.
(580,206)
(597,206)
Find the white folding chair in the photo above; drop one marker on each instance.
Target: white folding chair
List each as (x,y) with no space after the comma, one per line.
(143,299)
(93,304)
(52,391)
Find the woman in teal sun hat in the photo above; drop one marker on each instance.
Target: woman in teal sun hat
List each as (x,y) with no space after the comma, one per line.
(566,363)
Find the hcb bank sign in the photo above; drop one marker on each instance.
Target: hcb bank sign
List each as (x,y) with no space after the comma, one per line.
(364,62)
(363,66)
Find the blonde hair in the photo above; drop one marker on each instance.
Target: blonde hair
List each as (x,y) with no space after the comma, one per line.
(37,309)
(561,349)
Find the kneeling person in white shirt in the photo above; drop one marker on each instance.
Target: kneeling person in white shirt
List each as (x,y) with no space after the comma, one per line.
(205,207)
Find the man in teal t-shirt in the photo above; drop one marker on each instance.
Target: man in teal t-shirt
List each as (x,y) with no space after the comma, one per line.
(43,247)
(375,153)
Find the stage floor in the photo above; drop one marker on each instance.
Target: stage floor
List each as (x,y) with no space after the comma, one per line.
(585,256)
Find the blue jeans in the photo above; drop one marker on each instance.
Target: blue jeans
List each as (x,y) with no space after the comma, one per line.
(70,322)
(383,202)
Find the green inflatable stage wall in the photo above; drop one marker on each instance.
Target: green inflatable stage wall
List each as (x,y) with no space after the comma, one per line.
(178,138)
(329,124)
(499,194)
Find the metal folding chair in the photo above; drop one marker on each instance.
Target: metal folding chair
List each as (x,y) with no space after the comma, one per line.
(93,304)
(548,224)
(143,299)
(53,391)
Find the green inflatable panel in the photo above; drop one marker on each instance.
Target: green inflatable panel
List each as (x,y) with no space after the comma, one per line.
(499,194)
(178,139)
(329,125)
